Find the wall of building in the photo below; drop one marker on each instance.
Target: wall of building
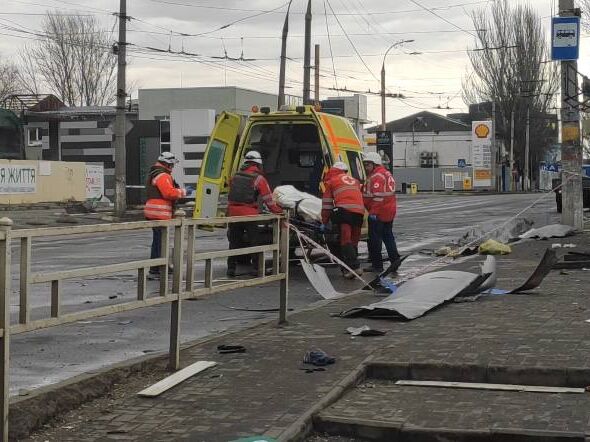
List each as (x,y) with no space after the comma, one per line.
(449,147)
(424,178)
(41,181)
(245,99)
(189,134)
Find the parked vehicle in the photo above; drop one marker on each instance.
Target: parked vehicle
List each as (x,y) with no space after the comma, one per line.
(297,146)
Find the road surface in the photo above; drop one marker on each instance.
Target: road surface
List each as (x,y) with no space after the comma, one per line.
(49,356)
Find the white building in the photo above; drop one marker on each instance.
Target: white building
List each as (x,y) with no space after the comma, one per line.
(189,134)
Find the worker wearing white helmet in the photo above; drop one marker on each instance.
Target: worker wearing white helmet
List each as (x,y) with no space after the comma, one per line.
(248,188)
(342,203)
(380,201)
(162,193)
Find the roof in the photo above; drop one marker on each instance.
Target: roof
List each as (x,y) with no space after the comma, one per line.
(32,102)
(424,122)
(83,111)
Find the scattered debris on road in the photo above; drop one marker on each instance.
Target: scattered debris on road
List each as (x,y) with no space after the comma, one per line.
(175,379)
(551,231)
(365,330)
(493,247)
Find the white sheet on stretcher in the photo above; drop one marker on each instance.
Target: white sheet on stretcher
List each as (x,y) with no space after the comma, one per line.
(306,205)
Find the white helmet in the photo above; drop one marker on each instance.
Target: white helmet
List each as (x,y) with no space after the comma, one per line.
(168,158)
(372,157)
(340,165)
(253,157)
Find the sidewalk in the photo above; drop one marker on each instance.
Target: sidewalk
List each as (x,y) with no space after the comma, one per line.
(539,338)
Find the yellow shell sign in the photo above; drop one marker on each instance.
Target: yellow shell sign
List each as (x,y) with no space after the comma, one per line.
(482,131)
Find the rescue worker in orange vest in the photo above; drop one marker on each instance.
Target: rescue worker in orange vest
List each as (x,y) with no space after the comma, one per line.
(342,203)
(247,191)
(162,193)
(380,201)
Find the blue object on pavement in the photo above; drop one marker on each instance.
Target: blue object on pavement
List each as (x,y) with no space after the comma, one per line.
(388,284)
(318,358)
(496,292)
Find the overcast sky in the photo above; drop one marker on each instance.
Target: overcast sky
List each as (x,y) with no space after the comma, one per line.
(429,79)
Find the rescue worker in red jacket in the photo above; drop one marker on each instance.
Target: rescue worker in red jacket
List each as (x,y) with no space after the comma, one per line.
(162,192)
(380,201)
(342,203)
(247,191)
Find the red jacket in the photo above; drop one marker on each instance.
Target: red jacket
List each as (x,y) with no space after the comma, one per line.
(379,194)
(261,189)
(343,191)
(161,193)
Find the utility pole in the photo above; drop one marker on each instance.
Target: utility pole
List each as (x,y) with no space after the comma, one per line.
(383,122)
(307,57)
(317,76)
(283,67)
(512,183)
(120,129)
(571,147)
(494,150)
(527,151)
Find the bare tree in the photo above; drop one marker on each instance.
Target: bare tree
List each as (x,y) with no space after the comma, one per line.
(585,7)
(73,60)
(9,83)
(510,67)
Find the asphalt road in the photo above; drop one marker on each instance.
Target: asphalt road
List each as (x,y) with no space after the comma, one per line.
(49,356)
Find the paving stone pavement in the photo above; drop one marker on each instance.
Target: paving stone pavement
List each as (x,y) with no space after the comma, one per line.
(264,390)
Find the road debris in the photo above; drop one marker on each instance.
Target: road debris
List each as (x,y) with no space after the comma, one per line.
(226,349)
(175,379)
(365,330)
(550,231)
(493,247)
(319,358)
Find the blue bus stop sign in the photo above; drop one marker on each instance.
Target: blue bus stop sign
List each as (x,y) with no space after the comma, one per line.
(461,162)
(565,38)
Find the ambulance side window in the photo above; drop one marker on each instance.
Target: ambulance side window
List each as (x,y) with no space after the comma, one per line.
(355,165)
(215,158)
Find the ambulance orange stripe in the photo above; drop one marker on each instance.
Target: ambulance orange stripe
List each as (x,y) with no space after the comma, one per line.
(350,141)
(331,135)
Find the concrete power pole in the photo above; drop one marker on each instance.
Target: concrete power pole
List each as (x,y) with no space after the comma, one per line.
(281,101)
(494,150)
(527,151)
(571,147)
(307,57)
(512,189)
(383,122)
(317,76)
(120,129)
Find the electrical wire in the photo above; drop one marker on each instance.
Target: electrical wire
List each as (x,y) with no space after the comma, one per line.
(442,18)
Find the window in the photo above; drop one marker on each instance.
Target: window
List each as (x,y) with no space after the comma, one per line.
(164,131)
(74,131)
(214,161)
(194,155)
(35,136)
(355,164)
(191,171)
(196,140)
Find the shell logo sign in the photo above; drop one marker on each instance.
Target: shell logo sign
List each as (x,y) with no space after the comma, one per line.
(482,131)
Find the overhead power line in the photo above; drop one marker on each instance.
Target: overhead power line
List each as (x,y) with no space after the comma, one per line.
(431,10)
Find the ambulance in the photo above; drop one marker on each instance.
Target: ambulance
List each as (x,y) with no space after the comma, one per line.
(298,145)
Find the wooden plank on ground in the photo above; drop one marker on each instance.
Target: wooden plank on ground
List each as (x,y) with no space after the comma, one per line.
(175,379)
(498,387)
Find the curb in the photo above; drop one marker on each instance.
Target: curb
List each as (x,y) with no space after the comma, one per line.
(375,430)
(303,426)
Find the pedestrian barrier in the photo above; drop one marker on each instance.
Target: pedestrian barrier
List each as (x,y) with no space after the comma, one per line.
(183,270)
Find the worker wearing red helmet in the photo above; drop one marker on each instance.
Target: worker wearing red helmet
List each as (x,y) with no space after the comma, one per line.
(342,203)
(247,191)
(380,201)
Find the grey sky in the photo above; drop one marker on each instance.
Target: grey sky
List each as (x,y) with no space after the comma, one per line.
(430,79)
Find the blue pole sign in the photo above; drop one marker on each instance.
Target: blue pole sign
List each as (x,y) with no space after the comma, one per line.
(565,38)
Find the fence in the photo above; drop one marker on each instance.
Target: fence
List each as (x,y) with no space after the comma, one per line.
(184,241)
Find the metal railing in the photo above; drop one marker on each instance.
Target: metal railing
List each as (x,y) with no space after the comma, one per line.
(183,260)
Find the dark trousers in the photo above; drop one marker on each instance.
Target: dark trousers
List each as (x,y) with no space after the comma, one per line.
(156,247)
(242,235)
(381,233)
(350,232)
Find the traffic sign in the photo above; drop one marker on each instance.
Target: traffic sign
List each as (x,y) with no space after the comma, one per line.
(461,162)
(565,38)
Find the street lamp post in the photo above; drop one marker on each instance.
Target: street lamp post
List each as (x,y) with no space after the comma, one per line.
(396,44)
